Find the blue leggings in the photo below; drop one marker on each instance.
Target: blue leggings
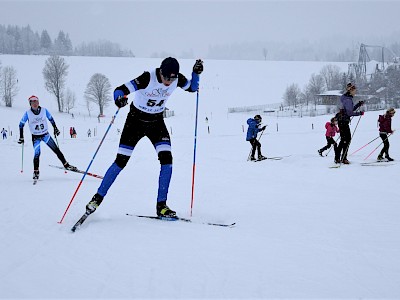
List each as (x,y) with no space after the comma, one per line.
(46,138)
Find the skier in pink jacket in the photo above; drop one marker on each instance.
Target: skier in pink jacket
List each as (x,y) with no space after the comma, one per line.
(331,130)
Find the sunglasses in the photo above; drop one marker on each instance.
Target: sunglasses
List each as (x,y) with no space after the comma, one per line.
(33,101)
(170,78)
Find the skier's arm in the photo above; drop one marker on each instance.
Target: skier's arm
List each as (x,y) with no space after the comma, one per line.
(193,84)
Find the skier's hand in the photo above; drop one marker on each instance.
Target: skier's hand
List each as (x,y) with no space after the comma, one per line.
(56,131)
(361,113)
(121,101)
(198,67)
(21,140)
(361,102)
(263,128)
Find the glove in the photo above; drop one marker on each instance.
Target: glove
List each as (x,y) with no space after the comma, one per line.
(56,131)
(121,101)
(21,140)
(361,102)
(361,113)
(198,67)
(263,128)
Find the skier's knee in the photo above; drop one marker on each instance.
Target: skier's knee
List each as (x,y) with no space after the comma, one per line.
(165,157)
(121,160)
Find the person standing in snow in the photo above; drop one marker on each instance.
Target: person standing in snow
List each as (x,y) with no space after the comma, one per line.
(331,130)
(36,116)
(347,111)
(4,133)
(252,131)
(145,118)
(385,128)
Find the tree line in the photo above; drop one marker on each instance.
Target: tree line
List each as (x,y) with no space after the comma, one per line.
(23,40)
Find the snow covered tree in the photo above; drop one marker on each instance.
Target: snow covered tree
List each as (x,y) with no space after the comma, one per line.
(98,91)
(45,41)
(8,85)
(55,73)
(292,94)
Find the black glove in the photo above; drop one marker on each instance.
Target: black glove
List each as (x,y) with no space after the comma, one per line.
(198,67)
(361,113)
(121,101)
(360,102)
(21,140)
(56,131)
(263,128)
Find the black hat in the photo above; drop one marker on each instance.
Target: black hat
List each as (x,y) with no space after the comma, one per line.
(169,68)
(257,117)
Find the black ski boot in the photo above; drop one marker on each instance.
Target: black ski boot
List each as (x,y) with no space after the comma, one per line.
(69,167)
(164,211)
(36,175)
(94,203)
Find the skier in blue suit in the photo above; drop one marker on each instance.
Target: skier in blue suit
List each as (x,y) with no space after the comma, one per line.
(37,117)
(145,118)
(252,131)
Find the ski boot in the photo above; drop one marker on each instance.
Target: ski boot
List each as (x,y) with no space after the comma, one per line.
(253,158)
(379,158)
(345,162)
(35,174)
(320,152)
(69,167)
(389,158)
(94,203)
(261,157)
(164,211)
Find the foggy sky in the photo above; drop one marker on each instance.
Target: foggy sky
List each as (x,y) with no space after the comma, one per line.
(146,27)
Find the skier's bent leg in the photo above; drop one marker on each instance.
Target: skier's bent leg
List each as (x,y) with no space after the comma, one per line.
(112,173)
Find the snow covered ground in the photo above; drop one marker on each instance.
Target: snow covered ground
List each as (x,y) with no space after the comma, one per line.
(303,230)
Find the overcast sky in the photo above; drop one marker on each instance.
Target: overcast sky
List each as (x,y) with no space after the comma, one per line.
(150,26)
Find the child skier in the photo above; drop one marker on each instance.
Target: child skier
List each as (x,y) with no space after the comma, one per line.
(331,130)
(252,131)
(385,127)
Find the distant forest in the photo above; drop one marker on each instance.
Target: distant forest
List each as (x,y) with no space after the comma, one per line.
(23,40)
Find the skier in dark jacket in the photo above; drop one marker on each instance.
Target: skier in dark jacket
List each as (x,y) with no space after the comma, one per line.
(385,128)
(145,118)
(252,131)
(344,117)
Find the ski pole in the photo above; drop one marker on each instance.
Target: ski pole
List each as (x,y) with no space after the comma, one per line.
(248,158)
(87,169)
(365,145)
(22,161)
(194,153)
(378,146)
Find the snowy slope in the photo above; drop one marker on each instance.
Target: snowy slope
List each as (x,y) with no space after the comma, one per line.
(303,229)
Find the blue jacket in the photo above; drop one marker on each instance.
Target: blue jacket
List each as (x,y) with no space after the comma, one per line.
(253,129)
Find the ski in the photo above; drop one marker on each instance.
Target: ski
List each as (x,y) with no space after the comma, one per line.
(80,221)
(273,158)
(78,171)
(378,163)
(183,220)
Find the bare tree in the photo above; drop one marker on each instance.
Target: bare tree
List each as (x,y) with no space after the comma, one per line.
(98,91)
(332,77)
(69,100)
(315,86)
(8,85)
(55,73)
(292,94)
